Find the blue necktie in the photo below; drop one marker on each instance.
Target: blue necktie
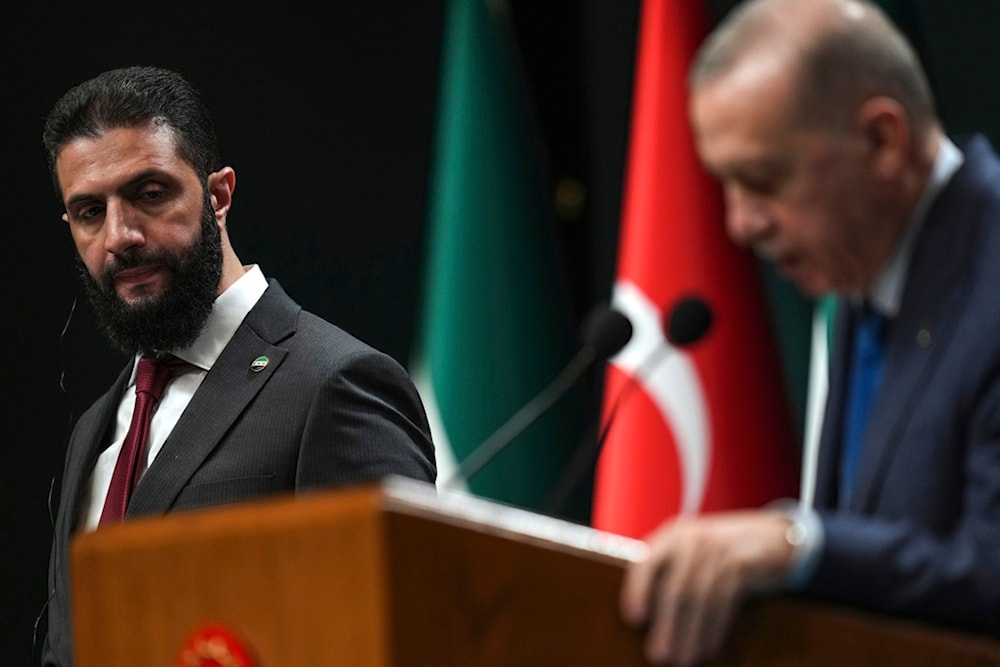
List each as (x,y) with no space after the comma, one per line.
(866,369)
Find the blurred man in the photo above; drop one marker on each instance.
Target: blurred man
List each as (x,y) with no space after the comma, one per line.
(817,120)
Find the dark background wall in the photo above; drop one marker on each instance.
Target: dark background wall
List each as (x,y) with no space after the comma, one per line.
(325,111)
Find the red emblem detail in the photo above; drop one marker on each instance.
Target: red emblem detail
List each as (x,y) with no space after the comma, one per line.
(214,645)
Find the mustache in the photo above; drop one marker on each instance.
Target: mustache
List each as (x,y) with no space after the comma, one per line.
(134,260)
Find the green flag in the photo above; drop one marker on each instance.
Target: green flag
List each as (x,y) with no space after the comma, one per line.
(495,321)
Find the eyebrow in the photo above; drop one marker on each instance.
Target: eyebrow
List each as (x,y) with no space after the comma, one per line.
(143,175)
(753,168)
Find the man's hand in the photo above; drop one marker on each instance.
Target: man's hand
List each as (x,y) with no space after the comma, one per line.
(698,572)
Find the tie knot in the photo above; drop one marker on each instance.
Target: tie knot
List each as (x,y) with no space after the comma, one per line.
(870,326)
(153,373)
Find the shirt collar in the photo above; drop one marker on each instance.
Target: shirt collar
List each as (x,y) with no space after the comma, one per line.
(886,292)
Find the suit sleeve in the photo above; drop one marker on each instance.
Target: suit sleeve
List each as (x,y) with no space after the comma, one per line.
(366,422)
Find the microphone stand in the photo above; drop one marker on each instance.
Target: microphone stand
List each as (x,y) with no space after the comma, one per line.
(587,454)
(523,418)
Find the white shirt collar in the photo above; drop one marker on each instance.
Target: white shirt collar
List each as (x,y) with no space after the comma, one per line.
(886,291)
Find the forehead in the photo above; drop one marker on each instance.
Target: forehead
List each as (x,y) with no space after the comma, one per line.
(99,162)
(745,113)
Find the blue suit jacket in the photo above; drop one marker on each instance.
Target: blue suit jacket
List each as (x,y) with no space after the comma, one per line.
(326,411)
(921,535)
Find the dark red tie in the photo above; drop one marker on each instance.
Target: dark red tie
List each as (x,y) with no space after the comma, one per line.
(150,379)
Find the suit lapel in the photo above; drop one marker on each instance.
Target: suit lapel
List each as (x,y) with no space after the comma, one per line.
(933,301)
(92,432)
(913,351)
(228,388)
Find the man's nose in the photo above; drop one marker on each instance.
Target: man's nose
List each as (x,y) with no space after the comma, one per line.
(746,219)
(123,228)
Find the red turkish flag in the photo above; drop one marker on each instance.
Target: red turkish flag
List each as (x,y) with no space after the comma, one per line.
(710,426)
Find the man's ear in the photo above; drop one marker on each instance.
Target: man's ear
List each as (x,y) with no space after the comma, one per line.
(888,136)
(221,185)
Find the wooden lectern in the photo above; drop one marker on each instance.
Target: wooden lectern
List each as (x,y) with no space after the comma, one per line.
(398,574)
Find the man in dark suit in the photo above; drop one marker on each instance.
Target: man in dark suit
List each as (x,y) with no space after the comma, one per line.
(270,399)
(817,120)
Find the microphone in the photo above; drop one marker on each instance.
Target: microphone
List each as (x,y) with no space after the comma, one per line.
(685,323)
(604,333)
(689,320)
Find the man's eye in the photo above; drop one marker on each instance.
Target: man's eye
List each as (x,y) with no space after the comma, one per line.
(90,212)
(761,186)
(151,195)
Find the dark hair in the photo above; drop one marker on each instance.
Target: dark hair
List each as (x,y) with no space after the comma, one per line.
(132,96)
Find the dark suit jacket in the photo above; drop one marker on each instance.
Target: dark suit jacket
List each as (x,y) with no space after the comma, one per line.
(327,410)
(921,535)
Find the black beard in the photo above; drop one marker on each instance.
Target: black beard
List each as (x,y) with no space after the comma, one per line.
(174,319)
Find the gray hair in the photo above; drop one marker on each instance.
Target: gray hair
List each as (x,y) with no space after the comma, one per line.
(846,51)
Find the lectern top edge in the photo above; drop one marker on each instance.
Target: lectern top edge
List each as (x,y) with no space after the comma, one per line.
(392,495)
(409,496)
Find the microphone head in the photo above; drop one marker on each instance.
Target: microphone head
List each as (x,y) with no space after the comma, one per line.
(688,321)
(606,331)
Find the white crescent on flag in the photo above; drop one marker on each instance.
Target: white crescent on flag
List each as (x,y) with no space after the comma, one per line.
(672,384)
